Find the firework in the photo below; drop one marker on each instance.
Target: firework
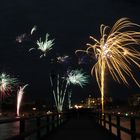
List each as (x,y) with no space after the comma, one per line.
(69,99)
(63,59)
(60,84)
(57,90)
(83,59)
(21,38)
(77,77)
(115,51)
(19,97)
(45,46)
(25,36)
(33,29)
(6,85)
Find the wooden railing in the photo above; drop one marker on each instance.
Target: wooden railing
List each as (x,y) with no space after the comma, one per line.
(112,120)
(47,123)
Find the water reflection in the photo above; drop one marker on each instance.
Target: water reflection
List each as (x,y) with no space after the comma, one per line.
(9,129)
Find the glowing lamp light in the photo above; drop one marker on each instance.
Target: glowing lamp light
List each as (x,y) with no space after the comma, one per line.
(126,114)
(34,108)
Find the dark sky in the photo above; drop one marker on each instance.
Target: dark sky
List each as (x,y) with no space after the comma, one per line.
(70,22)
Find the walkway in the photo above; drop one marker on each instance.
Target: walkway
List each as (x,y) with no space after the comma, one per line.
(81,128)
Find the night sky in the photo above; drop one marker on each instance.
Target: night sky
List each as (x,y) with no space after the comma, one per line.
(70,22)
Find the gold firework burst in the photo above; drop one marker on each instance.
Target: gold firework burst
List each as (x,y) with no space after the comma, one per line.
(115,51)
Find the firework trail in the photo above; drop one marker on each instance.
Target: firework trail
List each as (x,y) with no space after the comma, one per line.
(57,91)
(69,99)
(19,97)
(33,29)
(115,51)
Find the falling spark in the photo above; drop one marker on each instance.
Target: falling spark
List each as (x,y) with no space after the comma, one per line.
(82,60)
(63,59)
(45,46)
(25,36)
(33,29)
(6,85)
(21,38)
(19,97)
(115,51)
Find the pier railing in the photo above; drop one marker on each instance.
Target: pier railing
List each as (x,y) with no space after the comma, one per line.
(37,127)
(113,122)
(42,125)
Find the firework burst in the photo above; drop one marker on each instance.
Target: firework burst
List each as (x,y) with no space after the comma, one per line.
(115,51)
(6,85)
(77,77)
(45,46)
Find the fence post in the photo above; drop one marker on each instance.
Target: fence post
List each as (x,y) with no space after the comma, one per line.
(100,117)
(109,119)
(38,127)
(22,127)
(53,122)
(104,119)
(46,121)
(97,117)
(118,127)
(50,122)
(133,128)
(62,119)
(58,120)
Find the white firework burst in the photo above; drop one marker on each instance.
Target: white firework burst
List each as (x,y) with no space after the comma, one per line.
(45,46)
(77,77)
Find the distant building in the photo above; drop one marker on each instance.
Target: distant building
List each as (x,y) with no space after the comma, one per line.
(94,103)
(134,100)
